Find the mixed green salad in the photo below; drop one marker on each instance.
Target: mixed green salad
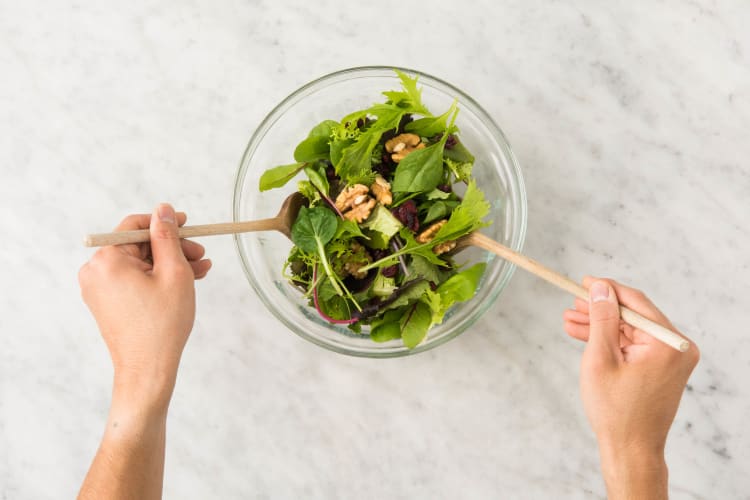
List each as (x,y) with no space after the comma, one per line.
(373,245)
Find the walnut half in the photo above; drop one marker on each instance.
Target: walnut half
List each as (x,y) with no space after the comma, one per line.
(381,188)
(403,144)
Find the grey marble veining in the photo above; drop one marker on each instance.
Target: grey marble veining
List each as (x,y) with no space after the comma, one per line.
(630,122)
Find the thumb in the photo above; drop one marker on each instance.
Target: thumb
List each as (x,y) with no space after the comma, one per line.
(604,320)
(165,244)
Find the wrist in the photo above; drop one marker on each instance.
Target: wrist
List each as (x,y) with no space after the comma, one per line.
(143,392)
(634,471)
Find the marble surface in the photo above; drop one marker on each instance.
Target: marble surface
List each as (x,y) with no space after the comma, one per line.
(630,122)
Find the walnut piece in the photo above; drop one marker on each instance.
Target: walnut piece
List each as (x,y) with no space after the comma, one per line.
(444,247)
(403,144)
(360,211)
(347,198)
(429,233)
(381,188)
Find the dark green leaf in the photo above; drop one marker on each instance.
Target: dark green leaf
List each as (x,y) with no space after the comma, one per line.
(348,228)
(431,125)
(415,323)
(278,176)
(421,170)
(420,267)
(459,154)
(313,228)
(461,286)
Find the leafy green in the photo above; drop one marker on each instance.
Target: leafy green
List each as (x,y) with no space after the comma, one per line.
(318,180)
(337,149)
(439,210)
(411,96)
(412,292)
(462,170)
(278,176)
(383,286)
(313,228)
(415,323)
(421,170)
(422,268)
(348,228)
(467,216)
(309,191)
(355,166)
(458,288)
(316,146)
(437,194)
(382,220)
(459,153)
(431,125)
(386,327)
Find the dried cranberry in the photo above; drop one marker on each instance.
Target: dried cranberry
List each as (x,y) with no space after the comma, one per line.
(379,253)
(446,188)
(451,141)
(433,286)
(331,173)
(390,271)
(360,123)
(406,213)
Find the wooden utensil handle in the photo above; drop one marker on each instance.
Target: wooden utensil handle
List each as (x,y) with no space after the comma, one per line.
(631,317)
(142,235)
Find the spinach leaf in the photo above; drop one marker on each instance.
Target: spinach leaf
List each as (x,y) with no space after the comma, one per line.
(437,194)
(439,210)
(431,125)
(415,323)
(278,176)
(348,228)
(314,228)
(459,153)
(316,146)
(421,170)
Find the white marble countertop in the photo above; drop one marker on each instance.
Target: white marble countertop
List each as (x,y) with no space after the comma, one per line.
(630,122)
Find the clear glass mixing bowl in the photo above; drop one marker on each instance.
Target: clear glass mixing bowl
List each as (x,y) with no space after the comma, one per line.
(331,97)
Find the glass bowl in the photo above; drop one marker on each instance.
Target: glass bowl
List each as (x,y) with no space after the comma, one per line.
(331,97)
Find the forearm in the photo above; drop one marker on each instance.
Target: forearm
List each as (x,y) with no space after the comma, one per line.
(634,474)
(130,459)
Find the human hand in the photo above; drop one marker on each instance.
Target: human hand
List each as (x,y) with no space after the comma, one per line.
(143,299)
(631,385)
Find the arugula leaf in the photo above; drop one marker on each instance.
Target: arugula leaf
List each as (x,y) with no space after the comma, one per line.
(421,170)
(316,146)
(467,216)
(415,323)
(382,220)
(355,165)
(431,125)
(278,176)
(348,228)
(423,268)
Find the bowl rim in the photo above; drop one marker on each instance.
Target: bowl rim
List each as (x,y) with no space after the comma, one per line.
(265,125)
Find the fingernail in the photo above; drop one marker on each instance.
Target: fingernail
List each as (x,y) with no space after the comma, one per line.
(166,213)
(599,291)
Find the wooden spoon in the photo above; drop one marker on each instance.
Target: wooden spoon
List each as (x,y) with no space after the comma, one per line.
(282,223)
(628,315)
